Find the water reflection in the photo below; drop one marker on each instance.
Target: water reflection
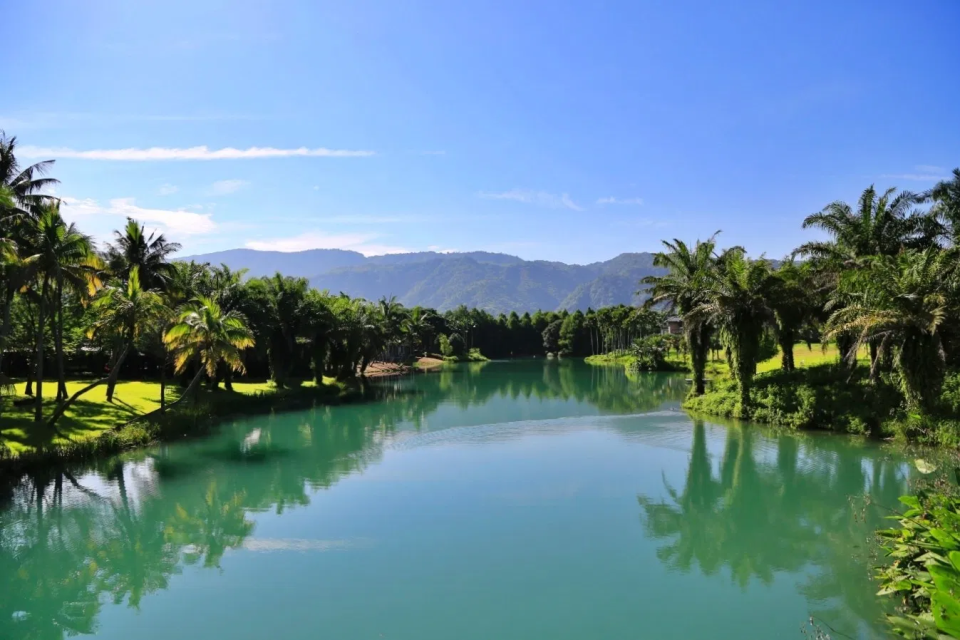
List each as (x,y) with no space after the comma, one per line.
(75,541)
(796,508)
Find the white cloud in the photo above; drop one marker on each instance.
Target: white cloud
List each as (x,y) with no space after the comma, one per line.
(168,189)
(916,177)
(178,222)
(224,187)
(191,153)
(929,168)
(614,200)
(359,242)
(539,198)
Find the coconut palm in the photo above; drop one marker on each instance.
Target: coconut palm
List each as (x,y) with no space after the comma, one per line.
(901,303)
(133,247)
(68,258)
(124,312)
(682,289)
(62,257)
(207,335)
(25,184)
(736,302)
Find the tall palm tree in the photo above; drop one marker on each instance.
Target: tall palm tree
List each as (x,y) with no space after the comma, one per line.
(902,302)
(792,306)
(132,247)
(735,302)
(68,258)
(124,312)
(24,183)
(62,256)
(205,334)
(682,289)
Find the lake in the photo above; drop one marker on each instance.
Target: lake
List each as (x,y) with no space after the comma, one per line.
(515,500)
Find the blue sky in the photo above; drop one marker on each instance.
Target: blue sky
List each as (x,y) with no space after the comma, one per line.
(568,131)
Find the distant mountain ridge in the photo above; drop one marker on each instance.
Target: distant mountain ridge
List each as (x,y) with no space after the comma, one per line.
(496,282)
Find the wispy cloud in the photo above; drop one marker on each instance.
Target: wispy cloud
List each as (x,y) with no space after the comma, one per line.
(225,187)
(360,242)
(538,198)
(915,177)
(177,222)
(168,189)
(922,173)
(190,153)
(613,200)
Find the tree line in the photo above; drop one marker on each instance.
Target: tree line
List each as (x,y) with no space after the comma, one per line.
(885,280)
(69,307)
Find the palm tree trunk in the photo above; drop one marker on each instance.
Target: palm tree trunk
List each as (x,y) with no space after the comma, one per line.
(115,371)
(163,384)
(38,404)
(61,371)
(786,339)
(66,405)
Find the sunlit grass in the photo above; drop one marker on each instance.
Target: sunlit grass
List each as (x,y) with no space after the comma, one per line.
(91,415)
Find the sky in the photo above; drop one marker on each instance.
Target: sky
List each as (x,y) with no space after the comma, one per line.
(569,131)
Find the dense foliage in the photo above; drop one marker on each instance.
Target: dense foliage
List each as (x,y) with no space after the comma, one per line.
(886,281)
(924,572)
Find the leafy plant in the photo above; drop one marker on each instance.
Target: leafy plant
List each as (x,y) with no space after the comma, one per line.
(925,572)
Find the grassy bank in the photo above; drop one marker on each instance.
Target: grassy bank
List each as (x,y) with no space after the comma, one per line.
(717,367)
(94,426)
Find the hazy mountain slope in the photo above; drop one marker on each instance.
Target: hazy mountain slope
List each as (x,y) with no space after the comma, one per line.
(492,281)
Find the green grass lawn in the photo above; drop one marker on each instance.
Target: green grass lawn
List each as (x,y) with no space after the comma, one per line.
(717,368)
(91,415)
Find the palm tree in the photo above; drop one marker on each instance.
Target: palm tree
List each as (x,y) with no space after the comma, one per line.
(735,301)
(881,225)
(683,288)
(124,311)
(25,184)
(902,302)
(791,305)
(67,257)
(62,255)
(132,247)
(205,334)
(946,197)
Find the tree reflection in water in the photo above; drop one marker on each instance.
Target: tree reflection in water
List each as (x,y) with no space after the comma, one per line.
(795,514)
(116,531)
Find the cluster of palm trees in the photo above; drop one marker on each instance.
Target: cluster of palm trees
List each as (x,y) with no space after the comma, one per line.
(60,297)
(886,279)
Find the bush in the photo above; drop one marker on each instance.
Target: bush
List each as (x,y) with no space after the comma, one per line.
(821,397)
(925,572)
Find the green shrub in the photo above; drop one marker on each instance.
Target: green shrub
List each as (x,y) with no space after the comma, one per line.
(924,574)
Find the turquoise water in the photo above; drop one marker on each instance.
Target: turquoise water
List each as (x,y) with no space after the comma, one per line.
(536,499)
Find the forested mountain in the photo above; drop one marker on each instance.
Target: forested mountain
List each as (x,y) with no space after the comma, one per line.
(495,282)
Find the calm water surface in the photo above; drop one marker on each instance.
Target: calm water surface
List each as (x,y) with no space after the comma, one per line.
(511,500)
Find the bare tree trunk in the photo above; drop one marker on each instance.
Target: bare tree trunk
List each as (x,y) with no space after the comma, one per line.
(61,371)
(163,385)
(38,404)
(115,370)
(66,405)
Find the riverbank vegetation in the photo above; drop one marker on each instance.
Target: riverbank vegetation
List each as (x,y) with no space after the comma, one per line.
(884,282)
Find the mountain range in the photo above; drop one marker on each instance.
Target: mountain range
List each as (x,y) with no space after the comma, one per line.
(496,282)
